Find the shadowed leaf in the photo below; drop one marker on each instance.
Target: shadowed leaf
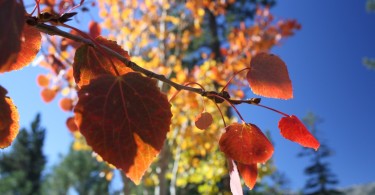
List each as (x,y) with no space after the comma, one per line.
(48,94)
(71,124)
(293,129)
(268,76)
(94,29)
(66,104)
(203,120)
(125,120)
(11,22)
(246,144)
(9,120)
(89,63)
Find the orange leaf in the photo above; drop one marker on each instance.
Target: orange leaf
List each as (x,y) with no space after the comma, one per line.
(245,143)
(42,80)
(66,104)
(293,129)
(203,120)
(30,46)
(9,120)
(48,94)
(11,22)
(71,124)
(125,120)
(268,76)
(94,29)
(248,173)
(90,63)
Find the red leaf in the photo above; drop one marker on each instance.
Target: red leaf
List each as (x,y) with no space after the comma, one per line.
(94,29)
(9,120)
(268,76)
(245,143)
(203,120)
(125,120)
(293,129)
(90,63)
(249,174)
(30,46)
(235,180)
(11,22)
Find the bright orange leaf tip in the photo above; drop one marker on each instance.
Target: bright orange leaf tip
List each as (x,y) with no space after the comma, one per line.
(249,174)
(125,119)
(203,120)
(268,76)
(293,129)
(9,120)
(246,144)
(89,63)
(30,46)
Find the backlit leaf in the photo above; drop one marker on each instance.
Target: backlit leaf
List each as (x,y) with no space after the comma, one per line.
(48,94)
(66,104)
(246,144)
(42,80)
(268,76)
(125,120)
(293,129)
(89,63)
(203,120)
(235,180)
(30,46)
(11,22)
(9,120)
(248,173)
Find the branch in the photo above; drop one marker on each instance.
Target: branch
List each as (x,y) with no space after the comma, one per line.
(53,30)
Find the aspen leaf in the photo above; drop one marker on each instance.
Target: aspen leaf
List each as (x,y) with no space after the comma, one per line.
(48,94)
(268,76)
(294,130)
(30,45)
(66,104)
(94,29)
(246,144)
(89,63)
(125,120)
(203,120)
(248,173)
(9,120)
(235,180)
(11,22)
(42,80)
(71,124)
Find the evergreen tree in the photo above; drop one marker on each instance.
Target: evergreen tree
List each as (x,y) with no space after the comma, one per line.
(321,179)
(80,172)
(21,168)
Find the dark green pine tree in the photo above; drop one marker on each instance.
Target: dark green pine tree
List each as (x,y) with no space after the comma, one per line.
(78,171)
(21,168)
(321,180)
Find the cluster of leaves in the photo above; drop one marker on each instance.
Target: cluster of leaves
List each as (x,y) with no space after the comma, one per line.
(119,107)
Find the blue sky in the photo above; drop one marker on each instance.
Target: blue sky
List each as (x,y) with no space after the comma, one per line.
(324,62)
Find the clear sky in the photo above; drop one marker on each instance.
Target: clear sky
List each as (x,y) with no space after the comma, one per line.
(324,62)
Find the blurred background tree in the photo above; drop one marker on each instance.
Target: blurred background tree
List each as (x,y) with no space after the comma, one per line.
(21,168)
(80,171)
(321,179)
